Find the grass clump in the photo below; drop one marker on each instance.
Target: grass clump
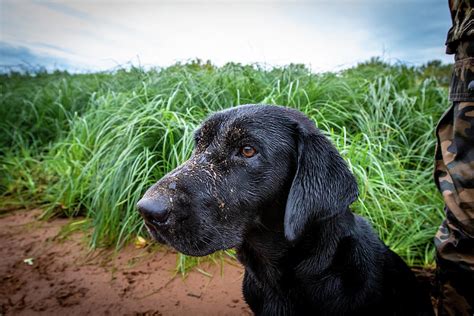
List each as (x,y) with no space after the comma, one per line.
(91,144)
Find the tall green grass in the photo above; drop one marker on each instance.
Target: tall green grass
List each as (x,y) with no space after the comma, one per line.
(91,144)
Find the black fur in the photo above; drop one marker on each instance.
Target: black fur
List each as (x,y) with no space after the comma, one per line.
(286,211)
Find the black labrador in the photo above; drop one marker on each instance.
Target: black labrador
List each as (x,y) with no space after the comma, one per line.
(264,180)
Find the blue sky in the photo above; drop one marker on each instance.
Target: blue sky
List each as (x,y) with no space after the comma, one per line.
(325,35)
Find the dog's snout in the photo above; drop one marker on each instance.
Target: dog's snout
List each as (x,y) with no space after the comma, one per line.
(154,210)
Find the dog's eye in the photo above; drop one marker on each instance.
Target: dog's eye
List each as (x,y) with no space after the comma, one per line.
(248,151)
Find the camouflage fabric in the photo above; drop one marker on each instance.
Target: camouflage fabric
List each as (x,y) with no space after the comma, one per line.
(454,172)
(462,16)
(462,81)
(454,240)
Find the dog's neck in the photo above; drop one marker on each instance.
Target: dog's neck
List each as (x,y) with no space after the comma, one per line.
(269,257)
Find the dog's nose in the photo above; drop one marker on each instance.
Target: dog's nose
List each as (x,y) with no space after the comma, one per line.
(154,210)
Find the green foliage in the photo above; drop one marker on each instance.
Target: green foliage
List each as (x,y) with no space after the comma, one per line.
(91,144)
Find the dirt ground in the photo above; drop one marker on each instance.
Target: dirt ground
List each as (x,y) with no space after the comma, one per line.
(42,274)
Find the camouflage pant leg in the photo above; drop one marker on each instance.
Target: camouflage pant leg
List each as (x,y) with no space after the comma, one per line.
(454,241)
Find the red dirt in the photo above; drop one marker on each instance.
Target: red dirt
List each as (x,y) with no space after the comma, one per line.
(66,278)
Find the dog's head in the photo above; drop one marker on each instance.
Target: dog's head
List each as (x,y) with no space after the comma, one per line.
(251,164)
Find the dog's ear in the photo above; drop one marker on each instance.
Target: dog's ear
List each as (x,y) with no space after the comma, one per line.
(323,184)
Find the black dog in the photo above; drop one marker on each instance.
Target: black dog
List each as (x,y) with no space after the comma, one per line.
(264,180)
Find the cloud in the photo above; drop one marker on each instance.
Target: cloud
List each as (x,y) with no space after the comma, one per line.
(64,9)
(414,31)
(325,35)
(52,47)
(91,17)
(22,58)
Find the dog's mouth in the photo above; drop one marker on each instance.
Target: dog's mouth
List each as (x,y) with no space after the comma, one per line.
(153,232)
(165,222)
(184,242)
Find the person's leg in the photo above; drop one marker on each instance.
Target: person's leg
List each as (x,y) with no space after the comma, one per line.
(454,241)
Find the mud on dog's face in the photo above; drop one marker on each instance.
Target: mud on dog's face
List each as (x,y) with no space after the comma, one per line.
(243,162)
(253,165)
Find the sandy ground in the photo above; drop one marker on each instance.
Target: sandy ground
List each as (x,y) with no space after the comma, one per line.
(64,278)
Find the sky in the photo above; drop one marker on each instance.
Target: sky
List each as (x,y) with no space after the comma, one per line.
(99,35)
